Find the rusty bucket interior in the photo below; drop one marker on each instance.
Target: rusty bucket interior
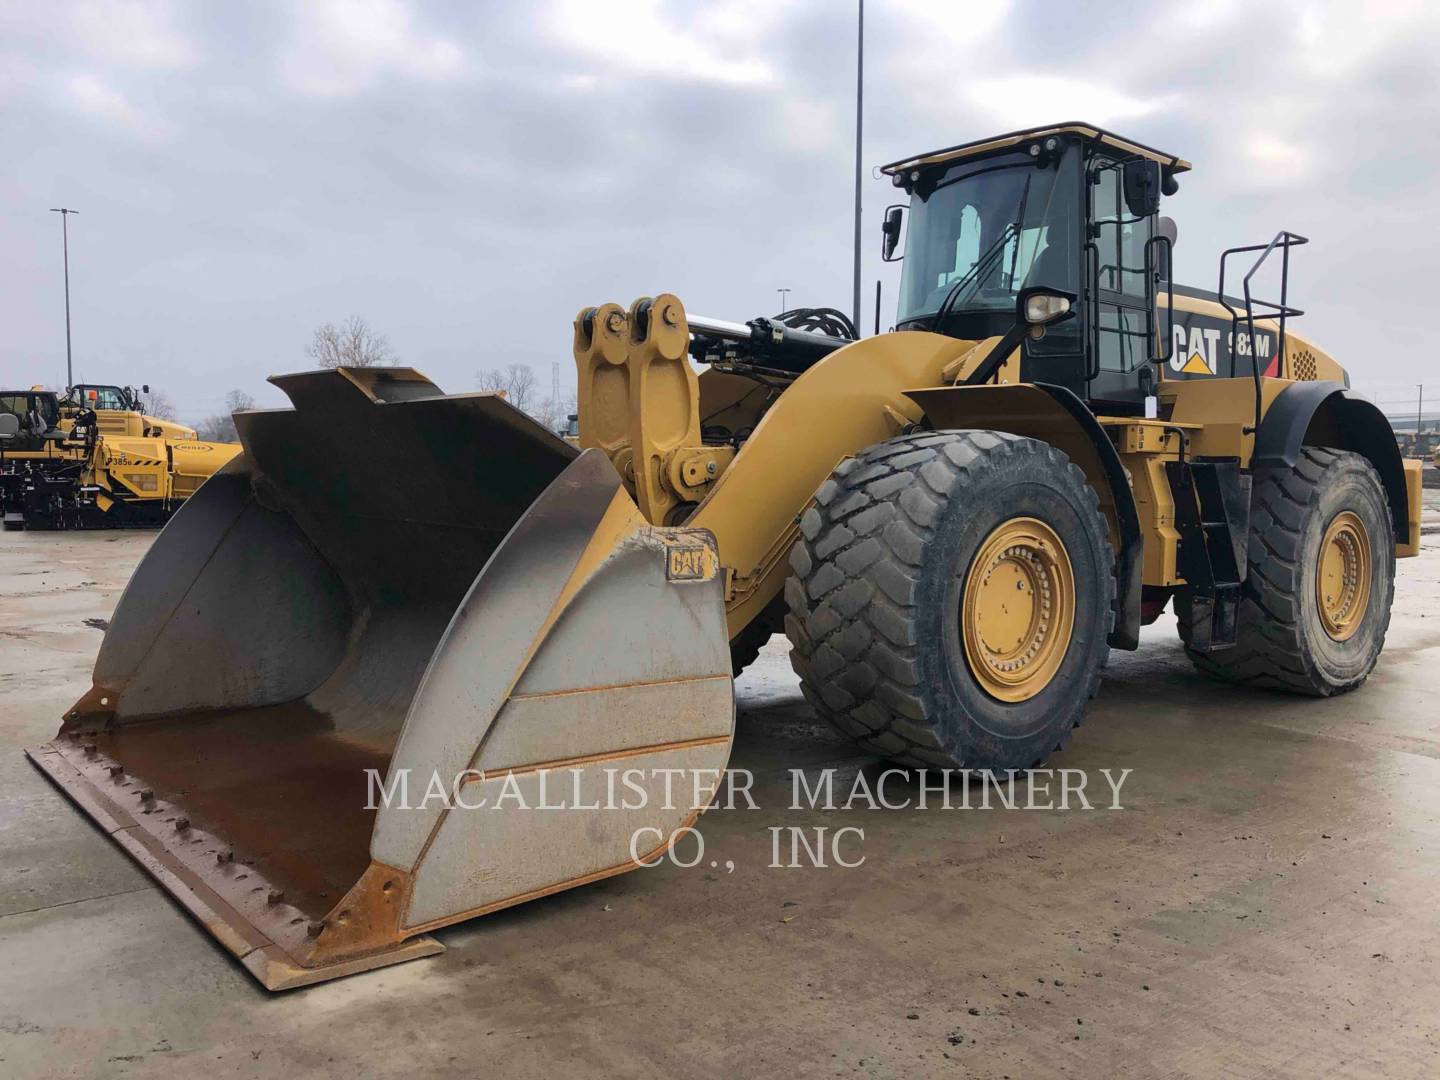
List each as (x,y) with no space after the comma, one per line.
(392,581)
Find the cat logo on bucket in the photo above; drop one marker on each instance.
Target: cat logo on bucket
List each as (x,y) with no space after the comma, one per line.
(1197,348)
(688,564)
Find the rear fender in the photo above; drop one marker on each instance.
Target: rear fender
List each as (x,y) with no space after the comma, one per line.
(1326,414)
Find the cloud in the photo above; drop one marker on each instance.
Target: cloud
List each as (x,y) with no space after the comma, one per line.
(1277,162)
(636,38)
(133,33)
(1016,100)
(91,96)
(1338,39)
(342,47)
(467,175)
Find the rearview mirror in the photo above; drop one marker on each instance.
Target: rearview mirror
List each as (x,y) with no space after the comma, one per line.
(1141,181)
(890,230)
(9,426)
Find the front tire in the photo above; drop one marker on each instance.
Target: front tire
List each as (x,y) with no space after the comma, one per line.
(1321,578)
(950,599)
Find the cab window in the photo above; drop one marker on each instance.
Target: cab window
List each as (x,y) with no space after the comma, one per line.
(105,397)
(985,230)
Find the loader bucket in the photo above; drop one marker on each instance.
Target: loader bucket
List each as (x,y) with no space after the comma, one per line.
(388,588)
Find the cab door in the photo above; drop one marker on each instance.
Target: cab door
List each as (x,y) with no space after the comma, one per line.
(1048,254)
(1120,292)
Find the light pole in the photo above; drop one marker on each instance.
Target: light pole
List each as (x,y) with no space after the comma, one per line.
(65,212)
(783,294)
(859,119)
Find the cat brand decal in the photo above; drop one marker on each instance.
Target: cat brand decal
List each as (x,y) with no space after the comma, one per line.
(1196,348)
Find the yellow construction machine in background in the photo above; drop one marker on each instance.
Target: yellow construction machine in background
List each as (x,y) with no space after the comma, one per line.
(93,459)
(954,522)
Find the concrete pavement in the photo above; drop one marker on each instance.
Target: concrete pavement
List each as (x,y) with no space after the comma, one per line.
(1264,904)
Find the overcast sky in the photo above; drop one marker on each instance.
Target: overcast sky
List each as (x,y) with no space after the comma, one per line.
(467,175)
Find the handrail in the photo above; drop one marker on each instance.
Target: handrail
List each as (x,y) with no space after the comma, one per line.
(1285,240)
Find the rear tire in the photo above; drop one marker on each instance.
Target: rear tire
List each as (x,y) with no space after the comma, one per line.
(885,622)
(1291,634)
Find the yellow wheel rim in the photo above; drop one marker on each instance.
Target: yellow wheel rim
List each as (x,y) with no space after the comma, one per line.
(1018,609)
(1342,580)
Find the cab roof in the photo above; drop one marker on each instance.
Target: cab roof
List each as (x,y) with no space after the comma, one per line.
(1014,138)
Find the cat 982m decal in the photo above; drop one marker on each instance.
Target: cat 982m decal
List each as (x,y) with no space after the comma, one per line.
(1205,345)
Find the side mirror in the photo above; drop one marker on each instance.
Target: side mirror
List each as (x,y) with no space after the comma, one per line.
(145,389)
(890,230)
(1042,306)
(1141,181)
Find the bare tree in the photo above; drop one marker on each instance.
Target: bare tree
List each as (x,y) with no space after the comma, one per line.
(238,401)
(217,428)
(555,413)
(354,343)
(221,427)
(515,381)
(159,405)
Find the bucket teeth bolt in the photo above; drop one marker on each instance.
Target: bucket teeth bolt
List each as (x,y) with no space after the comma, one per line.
(275,897)
(147,795)
(182,824)
(315,929)
(223,857)
(89,749)
(116,771)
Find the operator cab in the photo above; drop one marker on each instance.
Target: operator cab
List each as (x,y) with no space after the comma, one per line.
(93,396)
(1070,209)
(37,415)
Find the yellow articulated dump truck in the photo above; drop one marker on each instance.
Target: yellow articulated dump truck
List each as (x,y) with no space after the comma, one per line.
(94,459)
(953,523)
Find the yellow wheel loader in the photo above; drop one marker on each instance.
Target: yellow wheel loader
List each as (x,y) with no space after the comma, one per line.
(119,410)
(954,522)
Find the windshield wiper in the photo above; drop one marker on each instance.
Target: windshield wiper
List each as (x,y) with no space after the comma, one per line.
(994,250)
